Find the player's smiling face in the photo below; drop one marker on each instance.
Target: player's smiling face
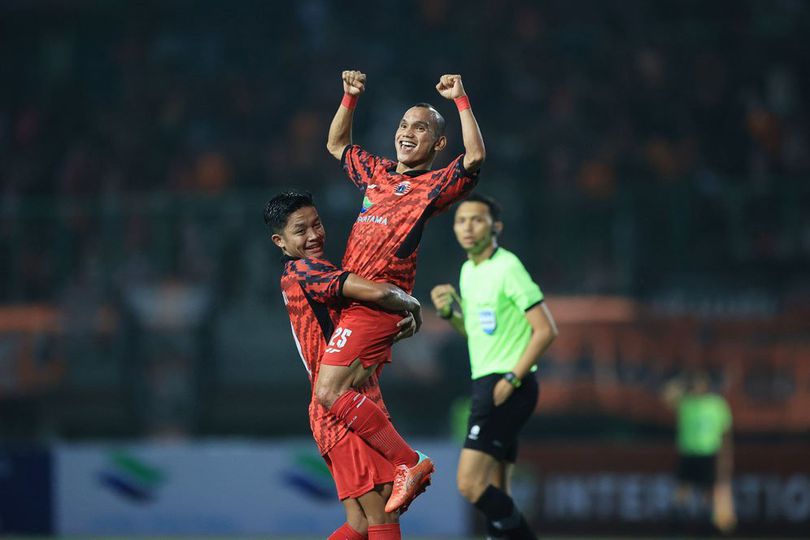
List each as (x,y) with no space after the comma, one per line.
(303,235)
(474,227)
(415,138)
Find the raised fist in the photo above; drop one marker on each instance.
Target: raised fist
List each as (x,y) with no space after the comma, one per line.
(450,86)
(354,82)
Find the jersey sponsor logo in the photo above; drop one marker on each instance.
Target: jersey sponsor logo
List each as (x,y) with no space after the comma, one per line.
(366,205)
(379,220)
(402,188)
(488,322)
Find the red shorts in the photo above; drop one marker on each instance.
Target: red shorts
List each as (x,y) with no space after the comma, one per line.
(363,333)
(356,467)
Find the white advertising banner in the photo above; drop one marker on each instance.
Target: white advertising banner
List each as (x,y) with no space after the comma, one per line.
(224,488)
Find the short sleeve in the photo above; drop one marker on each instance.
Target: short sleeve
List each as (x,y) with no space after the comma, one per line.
(321,280)
(519,286)
(359,165)
(452,184)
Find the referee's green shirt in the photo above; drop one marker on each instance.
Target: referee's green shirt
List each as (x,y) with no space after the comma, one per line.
(495,295)
(702,422)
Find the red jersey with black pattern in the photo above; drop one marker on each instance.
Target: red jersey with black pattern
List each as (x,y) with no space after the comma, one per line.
(385,237)
(312,292)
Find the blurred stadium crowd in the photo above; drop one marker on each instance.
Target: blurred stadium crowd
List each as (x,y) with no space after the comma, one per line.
(658,150)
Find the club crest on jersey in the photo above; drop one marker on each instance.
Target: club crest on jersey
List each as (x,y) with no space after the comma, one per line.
(402,188)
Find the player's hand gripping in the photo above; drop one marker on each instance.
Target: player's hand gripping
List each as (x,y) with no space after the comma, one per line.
(354,82)
(410,325)
(442,297)
(450,86)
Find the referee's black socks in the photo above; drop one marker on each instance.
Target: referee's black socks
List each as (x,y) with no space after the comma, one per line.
(502,515)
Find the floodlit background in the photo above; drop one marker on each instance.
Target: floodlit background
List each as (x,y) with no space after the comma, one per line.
(652,159)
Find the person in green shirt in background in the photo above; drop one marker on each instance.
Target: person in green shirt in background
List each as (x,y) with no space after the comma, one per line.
(508,326)
(705,453)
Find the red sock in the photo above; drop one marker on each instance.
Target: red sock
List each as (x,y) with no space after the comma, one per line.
(362,416)
(345,532)
(389,531)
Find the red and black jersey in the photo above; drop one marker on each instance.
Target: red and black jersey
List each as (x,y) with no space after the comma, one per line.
(384,239)
(312,291)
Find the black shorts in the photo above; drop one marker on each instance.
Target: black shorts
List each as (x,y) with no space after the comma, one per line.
(494,430)
(699,471)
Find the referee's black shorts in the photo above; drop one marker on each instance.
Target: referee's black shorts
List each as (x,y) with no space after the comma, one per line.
(494,430)
(699,471)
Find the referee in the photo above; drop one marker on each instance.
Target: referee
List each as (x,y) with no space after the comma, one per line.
(705,446)
(507,327)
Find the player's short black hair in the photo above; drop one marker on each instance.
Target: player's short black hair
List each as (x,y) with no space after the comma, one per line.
(278,209)
(493,205)
(438,119)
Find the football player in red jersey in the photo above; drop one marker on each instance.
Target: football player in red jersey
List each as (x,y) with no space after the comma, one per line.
(313,291)
(398,199)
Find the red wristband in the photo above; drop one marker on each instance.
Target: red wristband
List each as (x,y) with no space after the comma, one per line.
(462,102)
(349,101)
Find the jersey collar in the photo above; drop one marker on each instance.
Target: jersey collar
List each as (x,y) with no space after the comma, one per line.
(491,256)
(413,174)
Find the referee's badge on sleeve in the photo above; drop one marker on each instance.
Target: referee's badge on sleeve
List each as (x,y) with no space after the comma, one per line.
(487,319)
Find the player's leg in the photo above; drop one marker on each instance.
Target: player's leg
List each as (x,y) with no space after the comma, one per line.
(683,475)
(335,389)
(356,526)
(475,468)
(382,525)
(333,380)
(361,342)
(706,484)
(365,477)
(504,520)
(691,495)
(491,444)
(501,478)
(368,337)
(372,424)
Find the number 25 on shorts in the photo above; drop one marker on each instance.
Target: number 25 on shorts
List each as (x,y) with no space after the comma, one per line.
(338,340)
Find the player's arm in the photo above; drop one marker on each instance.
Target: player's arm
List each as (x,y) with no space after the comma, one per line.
(724,514)
(451,87)
(544,331)
(443,297)
(340,130)
(725,459)
(385,295)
